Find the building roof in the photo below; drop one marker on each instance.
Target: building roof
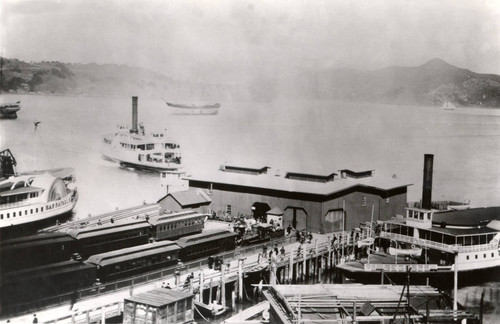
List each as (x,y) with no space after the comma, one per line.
(279,182)
(159,297)
(189,197)
(467,217)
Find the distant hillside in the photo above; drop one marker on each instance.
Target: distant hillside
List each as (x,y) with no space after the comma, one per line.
(107,80)
(433,83)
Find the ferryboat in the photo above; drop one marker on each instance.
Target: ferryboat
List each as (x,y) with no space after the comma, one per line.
(9,110)
(30,197)
(136,148)
(435,242)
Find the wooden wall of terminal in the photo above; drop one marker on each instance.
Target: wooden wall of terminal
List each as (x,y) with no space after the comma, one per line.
(311,209)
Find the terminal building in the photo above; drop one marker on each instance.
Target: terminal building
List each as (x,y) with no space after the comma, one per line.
(319,203)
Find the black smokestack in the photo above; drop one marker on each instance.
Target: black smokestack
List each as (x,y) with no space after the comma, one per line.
(134,115)
(427,186)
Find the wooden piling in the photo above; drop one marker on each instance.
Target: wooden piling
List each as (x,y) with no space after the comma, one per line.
(290,267)
(223,284)
(202,285)
(240,280)
(329,261)
(210,292)
(304,253)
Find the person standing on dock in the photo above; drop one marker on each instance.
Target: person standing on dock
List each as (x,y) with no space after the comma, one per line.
(35,319)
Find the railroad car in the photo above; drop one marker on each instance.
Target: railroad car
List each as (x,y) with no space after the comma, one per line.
(126,262)
(112,236)
(44,281)
(173,226)
(35,250)
(206,244)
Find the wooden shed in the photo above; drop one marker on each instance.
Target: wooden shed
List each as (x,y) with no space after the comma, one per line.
(159,306)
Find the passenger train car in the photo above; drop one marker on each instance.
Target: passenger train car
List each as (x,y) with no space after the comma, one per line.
(26,252)
(134,260)
(206,244)
(47,248)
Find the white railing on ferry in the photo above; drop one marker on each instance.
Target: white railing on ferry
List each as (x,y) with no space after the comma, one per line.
(452,248)
(400,267)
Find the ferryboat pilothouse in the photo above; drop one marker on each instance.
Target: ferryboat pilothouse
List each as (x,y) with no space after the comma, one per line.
(136,148)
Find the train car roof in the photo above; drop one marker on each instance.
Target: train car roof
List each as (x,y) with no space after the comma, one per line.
(168,218)
(159,297)
(48,269)
(109,228)
(131,253)
(35,240)
(203,237)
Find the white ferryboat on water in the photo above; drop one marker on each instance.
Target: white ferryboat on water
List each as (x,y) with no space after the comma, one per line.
(136,148)
(30,197)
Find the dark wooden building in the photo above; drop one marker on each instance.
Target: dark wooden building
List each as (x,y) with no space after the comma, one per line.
(315,202)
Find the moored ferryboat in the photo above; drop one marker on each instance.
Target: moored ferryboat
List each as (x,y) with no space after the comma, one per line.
(435,244)
(138,149)
(30,197)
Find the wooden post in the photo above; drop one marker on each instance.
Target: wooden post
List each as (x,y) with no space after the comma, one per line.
(329,259)
(210,291)
(202,284)
(223,284)
(382,276)
(103,315)
(354,312)
(87,315)
(233,299)
(455,286)
(304,253)
(316,270)
(290,267)
(240,280)
(273,270)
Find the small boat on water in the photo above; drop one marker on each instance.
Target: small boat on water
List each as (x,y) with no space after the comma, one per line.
(183,109)
(136,148)
(212,310)
(9,110)
(30,197)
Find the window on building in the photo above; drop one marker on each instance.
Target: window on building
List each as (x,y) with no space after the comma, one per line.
(387,200)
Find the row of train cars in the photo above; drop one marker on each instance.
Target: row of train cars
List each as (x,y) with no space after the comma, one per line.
(50,264)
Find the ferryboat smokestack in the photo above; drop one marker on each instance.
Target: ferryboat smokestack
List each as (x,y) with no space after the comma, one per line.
(134,115)
(427,185)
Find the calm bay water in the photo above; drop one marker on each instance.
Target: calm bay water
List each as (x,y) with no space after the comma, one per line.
(293,135)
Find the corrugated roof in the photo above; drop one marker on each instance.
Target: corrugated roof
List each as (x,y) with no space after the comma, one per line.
(271,181)
(132,252)
(105,229)
(470,217)
(189,197)
(204,237)
(159,297)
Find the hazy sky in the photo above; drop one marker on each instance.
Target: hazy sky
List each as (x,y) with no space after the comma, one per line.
(232,39)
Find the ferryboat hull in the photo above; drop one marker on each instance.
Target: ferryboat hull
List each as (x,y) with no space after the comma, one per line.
(438,278)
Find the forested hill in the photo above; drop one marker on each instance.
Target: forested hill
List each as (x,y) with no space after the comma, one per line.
(433,83)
